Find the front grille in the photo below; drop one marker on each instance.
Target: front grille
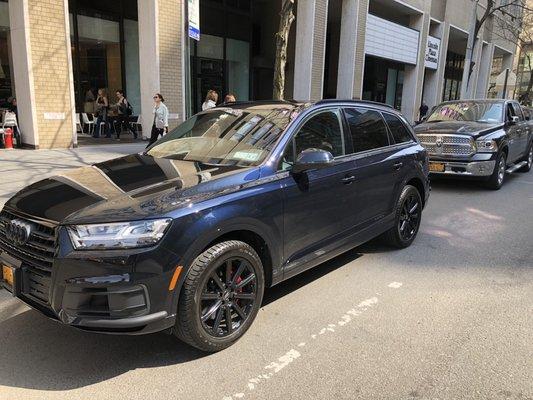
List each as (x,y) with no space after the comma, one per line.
(36,254)
(448,144)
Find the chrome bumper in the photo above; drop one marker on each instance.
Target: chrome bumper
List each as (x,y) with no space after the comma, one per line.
(476,168)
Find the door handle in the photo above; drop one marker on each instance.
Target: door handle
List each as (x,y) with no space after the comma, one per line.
(348,179)
(398,165)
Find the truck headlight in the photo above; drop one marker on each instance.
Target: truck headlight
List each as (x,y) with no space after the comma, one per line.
(118,235)
(486,146)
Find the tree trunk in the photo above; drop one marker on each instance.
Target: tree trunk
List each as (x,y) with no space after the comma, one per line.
(282,40)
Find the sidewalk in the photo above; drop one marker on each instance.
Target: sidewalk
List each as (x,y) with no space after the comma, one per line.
(19,168)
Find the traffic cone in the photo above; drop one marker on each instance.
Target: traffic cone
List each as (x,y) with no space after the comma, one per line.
(8,139)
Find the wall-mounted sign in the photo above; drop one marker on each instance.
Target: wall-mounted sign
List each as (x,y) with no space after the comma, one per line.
(432,53)
(194,19)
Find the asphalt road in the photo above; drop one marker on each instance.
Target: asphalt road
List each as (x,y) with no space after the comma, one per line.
(449,318)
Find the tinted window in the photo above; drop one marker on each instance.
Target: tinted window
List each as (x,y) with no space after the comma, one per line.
(322,131)
(518,111)
(397,128)
(367,128)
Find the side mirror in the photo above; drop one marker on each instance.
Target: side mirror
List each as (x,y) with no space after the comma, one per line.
(312,159)
(514,120)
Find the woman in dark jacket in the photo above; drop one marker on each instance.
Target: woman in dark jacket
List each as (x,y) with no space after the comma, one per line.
(102,105)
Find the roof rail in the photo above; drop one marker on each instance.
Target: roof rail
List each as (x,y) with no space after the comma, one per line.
(369,102)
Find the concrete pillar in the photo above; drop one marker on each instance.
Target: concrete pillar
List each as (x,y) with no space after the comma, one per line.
(468,91)
(485,68)
(161,58)
(42,68)
(348,46)
(414,74)
(434,79)
(360,49)
(311,24)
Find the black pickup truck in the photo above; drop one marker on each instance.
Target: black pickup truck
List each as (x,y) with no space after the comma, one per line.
(483,139)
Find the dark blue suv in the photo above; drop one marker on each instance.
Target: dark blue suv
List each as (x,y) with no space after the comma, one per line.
(187,235)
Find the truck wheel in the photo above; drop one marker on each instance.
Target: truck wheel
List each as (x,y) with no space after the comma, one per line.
(407,219)
(220,297)
(497,178)
(529,159)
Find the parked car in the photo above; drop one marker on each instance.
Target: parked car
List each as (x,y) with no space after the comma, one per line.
(480,139)
(188,234)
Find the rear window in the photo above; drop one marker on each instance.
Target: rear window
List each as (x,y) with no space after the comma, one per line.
(399,132)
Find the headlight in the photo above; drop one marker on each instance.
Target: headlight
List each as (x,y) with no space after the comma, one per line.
(118,235)
(486,146)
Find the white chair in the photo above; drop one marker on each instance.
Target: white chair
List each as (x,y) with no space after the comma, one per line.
(137,123)
(87,121)
(79,128)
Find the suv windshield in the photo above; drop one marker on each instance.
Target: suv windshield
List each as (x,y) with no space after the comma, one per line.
(468,111)
(226,136)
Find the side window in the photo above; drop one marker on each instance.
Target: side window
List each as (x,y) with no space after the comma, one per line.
(367,128)
(518,111)
(510,111)
(322,131)
(397,128)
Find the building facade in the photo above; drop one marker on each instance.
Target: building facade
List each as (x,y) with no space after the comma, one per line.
(56,54)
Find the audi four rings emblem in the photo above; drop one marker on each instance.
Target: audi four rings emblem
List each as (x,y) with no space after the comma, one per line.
(18,232)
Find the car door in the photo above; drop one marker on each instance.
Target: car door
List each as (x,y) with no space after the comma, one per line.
(513,132)
(317,206)
(523,130)
(379,165)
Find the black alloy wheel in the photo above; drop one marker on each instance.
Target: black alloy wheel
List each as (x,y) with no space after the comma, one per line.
(408,216)
(228,297)
(220,297)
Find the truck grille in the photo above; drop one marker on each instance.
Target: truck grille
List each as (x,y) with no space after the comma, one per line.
(36,254)
(448,144)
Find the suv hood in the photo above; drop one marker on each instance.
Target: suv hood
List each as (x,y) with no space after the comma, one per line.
(127,188)
(474,129)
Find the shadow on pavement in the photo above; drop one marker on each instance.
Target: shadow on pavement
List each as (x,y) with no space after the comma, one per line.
(38,353)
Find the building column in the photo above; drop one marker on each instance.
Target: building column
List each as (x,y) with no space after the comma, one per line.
(434,81)
(485,68)
(413,81)
(42,69)
(468,91)
(348,44)
(161,59)
(311,25)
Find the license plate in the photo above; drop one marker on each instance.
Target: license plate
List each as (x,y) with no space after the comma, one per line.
(8,275)
(437,167)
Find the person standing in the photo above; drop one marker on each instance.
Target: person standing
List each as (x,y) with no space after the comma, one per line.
(160,124)
(124,110)
(230,98)
(102,105)
(210,100)
(423,110)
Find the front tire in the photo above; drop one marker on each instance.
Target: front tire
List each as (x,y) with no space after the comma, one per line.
(497,178)
(528,158)
(408,216)
(220,297)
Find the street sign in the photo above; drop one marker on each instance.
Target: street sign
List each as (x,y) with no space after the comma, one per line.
(194,19)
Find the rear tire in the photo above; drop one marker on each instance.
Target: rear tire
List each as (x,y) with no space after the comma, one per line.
(220,297)
(528,158)
(497,178)
(408,216)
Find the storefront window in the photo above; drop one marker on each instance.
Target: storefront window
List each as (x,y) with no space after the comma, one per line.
(6,78)
(238,61)
(383,81)
(453,75)
(105,49)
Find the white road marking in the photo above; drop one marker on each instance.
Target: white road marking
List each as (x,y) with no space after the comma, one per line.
(292,355)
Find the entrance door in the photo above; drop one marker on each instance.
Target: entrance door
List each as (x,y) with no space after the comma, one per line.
(209,76)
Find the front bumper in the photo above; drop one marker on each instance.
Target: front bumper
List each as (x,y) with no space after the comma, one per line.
(473,169)
(108,292)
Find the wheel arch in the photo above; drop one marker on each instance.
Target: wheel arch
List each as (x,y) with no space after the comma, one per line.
(419,185)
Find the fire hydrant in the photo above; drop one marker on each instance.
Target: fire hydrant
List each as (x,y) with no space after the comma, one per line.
(8,139)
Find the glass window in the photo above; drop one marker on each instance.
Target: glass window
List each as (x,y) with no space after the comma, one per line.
(322,131)
(397,128)
(483,111)
(518,111)
(6,86)
(224,136)
(367,128)
(238,61)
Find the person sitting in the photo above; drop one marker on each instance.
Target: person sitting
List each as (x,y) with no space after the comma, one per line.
(230,98)
(210,100)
